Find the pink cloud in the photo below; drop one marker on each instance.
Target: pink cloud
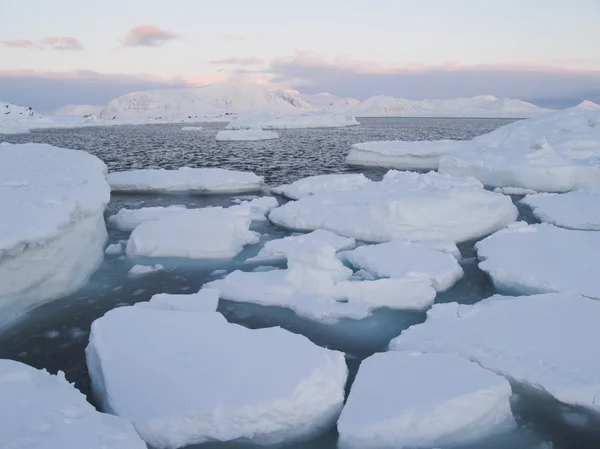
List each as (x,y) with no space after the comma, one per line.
(47,43)
(252,60)
(19,43)
(148,36)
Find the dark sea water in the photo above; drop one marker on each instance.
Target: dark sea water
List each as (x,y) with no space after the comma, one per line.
(54,335)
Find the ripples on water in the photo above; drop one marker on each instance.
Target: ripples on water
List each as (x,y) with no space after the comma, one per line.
(54,335)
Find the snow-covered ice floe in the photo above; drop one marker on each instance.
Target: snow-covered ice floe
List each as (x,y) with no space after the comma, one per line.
(142,270)
(310,120)
(192,128)
(542,258)
(544,342)
(185,179)
(579,209)
(400,154)
(52,231)
(402,400)
(246,134)
(404,205)
(225,382)
(556,152)
(206,300)
(514,191)
(43,411)
(321,183)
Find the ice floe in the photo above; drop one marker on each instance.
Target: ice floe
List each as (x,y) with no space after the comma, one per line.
(310,120)
(142,270)
(43,411)
(225,382)
(129,219)
(543,341)
(321,183)
(52,231)
(206,300)
(192,128)
(542,258)
(246,134)
(185,179)
(404,205)
(579,209)
(436,400)
(113,249)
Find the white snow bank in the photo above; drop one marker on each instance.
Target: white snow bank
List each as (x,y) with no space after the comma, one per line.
(542,259)
(222,383)
(579,209)
(322,183)
(52,231)
(205,301)
(185,179)
(401,400)
(310,120)
(142,270)
(556,152)
(279,249)
(542,341)
(246,134)
(400,154)
(404,205)
(42,411)
(208,233)
(192,128)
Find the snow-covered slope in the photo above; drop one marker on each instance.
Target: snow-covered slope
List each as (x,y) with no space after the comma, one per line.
(14,112)
(587,105)
(79,110)
(329,102)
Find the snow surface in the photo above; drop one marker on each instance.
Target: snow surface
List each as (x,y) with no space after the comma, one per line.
(400,154)
(205,301)
(547,346)
(43,411)
(311,120)
(436,399)
(542,258)
(185,179)
(556,152)
(52,231)
(192,128)
(225,382)
(246,134)
(587,105)
(322,183)
(404,205)
(142,270)
(579,209)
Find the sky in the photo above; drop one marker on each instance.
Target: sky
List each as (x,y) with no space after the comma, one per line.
(70,51)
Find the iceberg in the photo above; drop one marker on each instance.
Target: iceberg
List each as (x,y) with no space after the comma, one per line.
(321,183)
(310,120)
(52,231)
(402,155)
(403,206)
(45,411)
(556,152)
(543,342)
(225,382)
(579,209)
(245,135)
(185,179)
(516,258)
(436,400)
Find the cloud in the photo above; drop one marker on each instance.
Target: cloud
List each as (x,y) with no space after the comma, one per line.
(543,85)
(252,60)
(48,43)
(148,36)
(234,38)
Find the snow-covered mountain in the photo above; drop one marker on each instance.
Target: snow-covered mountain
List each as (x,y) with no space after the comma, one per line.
(9,111)
(211,100)
(329,102)
(587,105)
(79,110)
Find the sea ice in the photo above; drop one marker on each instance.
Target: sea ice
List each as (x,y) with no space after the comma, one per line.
(514,191)
(544,342)
(202,379)
(400,154)
(310,120)
(322,183)
(404,205)
(206,300)
(542,258)
(129,219)
(192,128)
(185,179)
(142,270)
(52,231)
(579,209)
(246,134)
(555,152)
(436,399)
(43,411)
(113,249)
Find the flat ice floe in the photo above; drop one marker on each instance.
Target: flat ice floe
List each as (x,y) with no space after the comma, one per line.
(142,270)
(402,155)
(310,120)
(579,209)
(206,300)
(185,179)
(44,411)
(405,206)
(246,134)
(321,183)
(192,128)
(542,258)
(52,231)
(544,342)
(402,400)
(555,152)
(202,379)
